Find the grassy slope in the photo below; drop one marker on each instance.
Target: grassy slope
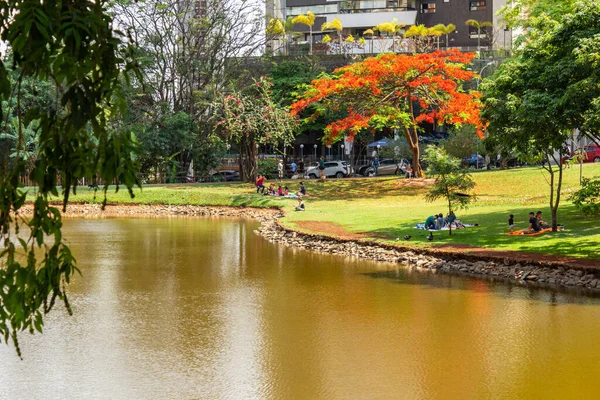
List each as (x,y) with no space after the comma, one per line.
(384,209)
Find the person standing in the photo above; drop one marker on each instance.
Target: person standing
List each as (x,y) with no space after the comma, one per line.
(376,164)
(280,169)
(260,187)
(293,167)
(321,169)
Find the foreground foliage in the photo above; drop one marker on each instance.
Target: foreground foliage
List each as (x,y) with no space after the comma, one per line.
(587,199)
(73,45)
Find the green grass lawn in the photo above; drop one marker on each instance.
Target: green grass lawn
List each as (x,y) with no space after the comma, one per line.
(386,209)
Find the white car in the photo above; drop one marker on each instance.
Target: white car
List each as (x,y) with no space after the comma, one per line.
(333,169)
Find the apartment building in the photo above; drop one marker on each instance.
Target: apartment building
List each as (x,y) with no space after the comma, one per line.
(360,15)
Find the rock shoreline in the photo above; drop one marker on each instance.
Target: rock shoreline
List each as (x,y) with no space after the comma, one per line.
(426,260)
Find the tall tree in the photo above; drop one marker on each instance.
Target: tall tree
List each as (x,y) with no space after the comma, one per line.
(335,25)
(396,91)
(479,25)
(526,13)
(309,21)
(189,50)
(251,118)
(446,30)
(552,87)
(392,29)
(73,45)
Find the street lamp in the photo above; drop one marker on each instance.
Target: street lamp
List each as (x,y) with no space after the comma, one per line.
(329,147)
(342,147)
(378,148)
(493,62)
(301,151)
(315,146)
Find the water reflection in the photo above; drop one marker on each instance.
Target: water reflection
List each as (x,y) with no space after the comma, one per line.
(189,308)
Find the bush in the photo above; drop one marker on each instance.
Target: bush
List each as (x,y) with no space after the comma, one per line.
(267,167)
(587,199)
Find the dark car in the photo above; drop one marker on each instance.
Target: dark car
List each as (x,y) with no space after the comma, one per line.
(475,161)
(225,176)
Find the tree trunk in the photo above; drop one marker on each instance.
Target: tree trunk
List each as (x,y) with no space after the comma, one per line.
(416,152)
(310,48)
(555,194)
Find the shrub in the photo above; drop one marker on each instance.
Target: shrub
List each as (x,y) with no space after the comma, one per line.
(587,199)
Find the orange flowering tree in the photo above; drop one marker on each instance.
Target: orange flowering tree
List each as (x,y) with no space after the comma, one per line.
(396,91)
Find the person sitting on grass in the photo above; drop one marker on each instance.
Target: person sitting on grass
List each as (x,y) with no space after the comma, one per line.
(271,190)
(534,225)
(279,191)
(302,189)
(409,172)
(300,206)
(451,218)
(541,223)
(440,223)
(286,191)
(511,223)
(260,187)
(430,222)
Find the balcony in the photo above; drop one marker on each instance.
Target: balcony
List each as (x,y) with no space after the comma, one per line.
(362,19)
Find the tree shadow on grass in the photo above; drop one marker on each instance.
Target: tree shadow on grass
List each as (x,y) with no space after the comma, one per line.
(580,239)
(366,188)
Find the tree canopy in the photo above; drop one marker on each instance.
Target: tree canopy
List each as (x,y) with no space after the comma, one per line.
(396,91)
(537,99)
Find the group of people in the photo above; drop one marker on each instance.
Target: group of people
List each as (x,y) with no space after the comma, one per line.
(294,169)
(279,191)
(536,223)
(438,222)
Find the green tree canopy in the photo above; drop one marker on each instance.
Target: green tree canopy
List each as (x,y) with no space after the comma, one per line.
(552,87)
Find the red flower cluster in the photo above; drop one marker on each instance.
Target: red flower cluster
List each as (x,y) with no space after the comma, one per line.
(429,87)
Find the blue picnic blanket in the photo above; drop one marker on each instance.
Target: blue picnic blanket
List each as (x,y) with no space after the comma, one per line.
(445,228)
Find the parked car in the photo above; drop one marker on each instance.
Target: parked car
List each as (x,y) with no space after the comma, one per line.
(337,169)
(475,161)
(225,176)
(387,166)
(592,153)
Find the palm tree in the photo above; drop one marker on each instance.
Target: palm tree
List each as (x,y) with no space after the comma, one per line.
(277,28)
(445,30)
(419,33)
(391,28)
(370,33)
(478,25)
(308,20)
(335,25)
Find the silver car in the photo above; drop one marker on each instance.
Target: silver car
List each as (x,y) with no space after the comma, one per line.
(387,167)
(333,169)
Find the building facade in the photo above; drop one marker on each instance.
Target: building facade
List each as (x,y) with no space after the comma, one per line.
(359,15)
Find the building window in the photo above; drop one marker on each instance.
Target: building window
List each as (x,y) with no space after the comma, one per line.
(478,5)
(427,8)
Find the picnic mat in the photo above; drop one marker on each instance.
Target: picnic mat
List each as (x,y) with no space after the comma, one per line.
(422,227)
(521,232)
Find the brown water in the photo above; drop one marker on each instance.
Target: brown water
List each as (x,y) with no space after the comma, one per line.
(206,309)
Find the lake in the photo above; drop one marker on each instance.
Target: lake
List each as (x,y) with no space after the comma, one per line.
(206,309)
